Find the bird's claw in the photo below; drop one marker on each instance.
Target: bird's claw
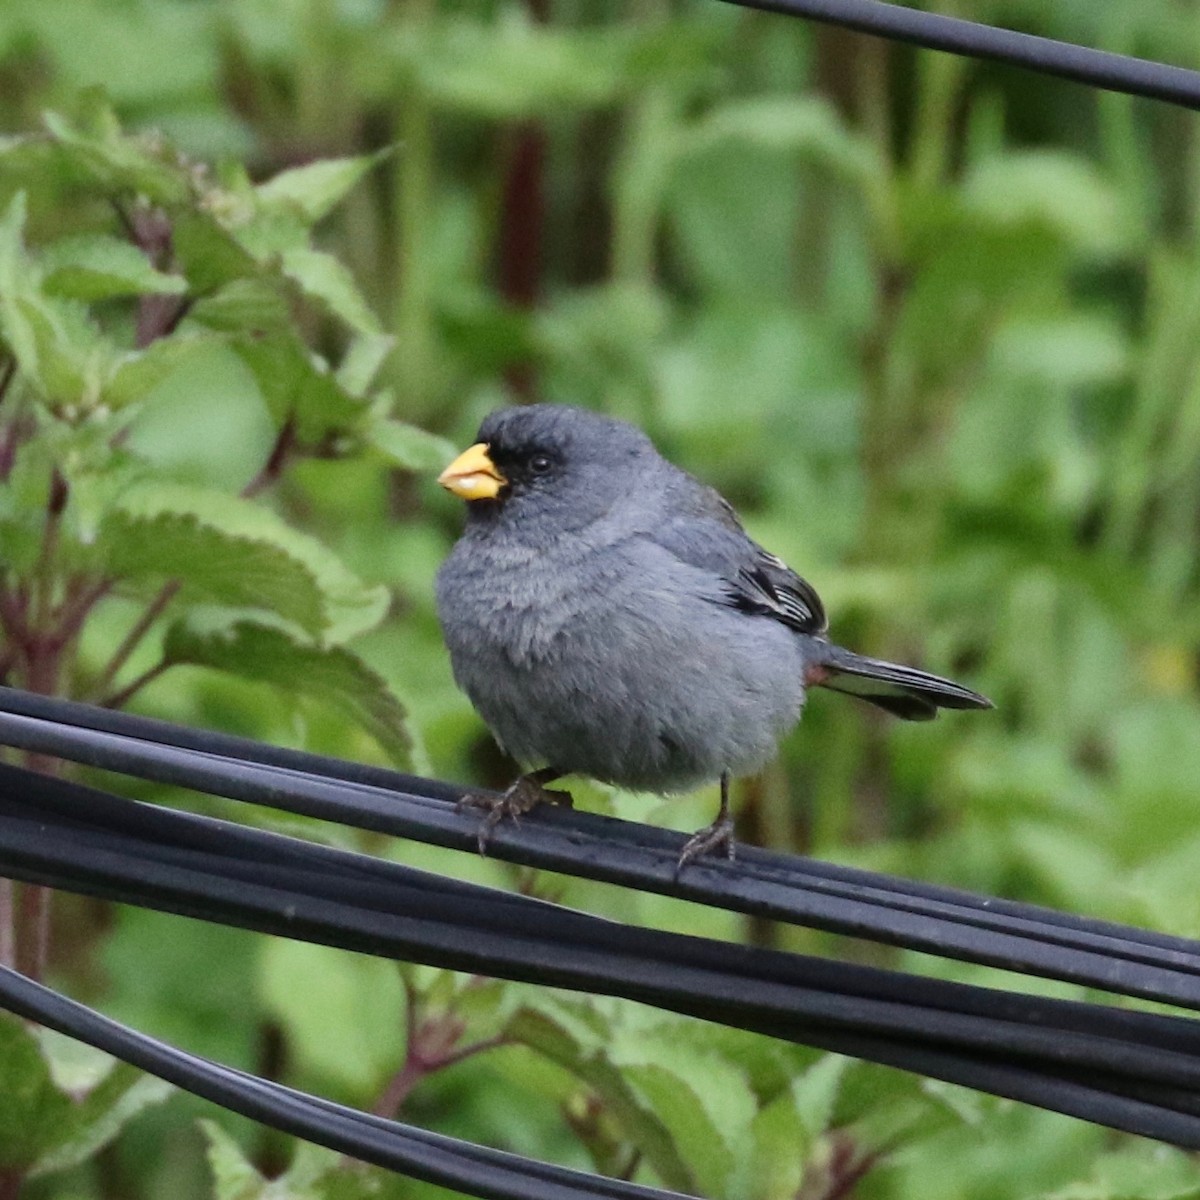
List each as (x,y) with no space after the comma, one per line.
(521,797)
(708,840)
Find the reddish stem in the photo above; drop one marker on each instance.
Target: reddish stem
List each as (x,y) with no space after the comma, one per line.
(121,698)
(8,923)
(133,639)
(276,461)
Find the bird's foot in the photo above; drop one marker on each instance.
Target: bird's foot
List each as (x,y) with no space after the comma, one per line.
(708,840)
(521,797)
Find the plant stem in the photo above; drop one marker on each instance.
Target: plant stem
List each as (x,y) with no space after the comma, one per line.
(35,930)
(6,376)
(520,250)
(121,698)
(276,461)
(134,637)
(43,572)
(8,923)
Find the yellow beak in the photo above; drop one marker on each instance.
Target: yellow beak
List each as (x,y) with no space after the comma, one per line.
(473,475)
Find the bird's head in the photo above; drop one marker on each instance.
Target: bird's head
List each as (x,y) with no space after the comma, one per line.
(549,467)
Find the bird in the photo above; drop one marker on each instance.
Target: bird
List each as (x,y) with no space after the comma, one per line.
(608,616)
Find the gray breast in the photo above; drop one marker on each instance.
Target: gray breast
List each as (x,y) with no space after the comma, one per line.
(614,667)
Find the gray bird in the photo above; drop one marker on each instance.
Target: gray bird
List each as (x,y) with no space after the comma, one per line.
(608,616)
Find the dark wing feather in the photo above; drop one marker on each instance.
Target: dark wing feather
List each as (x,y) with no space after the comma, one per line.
(769,587)
(706,532)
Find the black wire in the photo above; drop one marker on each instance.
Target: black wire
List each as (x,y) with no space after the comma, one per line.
(934,31)
(1137,1072)
(432,1157)
(902,912)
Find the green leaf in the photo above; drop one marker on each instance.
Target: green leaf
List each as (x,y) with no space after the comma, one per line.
(142,165)
(316,188)
(410,447)
(702,1099)
(231,552)
(344,1013)
(574,1035)
(1138,1172)
(815,1093)
(771,1157)
(33,1107)
(247,306)
(363,361)
(328,280)
(1055,192)
(137,373)
(333,675)
(208,254)
(61,1102)
(802,124)
(299,387)
(99,1118)
(517,68)
(234,1177)
(93,267)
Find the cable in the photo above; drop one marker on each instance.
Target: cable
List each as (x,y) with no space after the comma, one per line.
(1138,1072)
(935,31)
(902,912)
(432,1157)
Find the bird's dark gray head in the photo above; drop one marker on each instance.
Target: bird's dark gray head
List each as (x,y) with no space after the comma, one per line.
(551,466)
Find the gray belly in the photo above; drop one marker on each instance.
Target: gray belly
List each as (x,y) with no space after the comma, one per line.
(644,688)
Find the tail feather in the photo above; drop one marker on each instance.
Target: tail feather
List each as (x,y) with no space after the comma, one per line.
(903,691)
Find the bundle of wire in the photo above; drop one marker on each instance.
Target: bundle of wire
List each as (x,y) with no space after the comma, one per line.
(1131,1070)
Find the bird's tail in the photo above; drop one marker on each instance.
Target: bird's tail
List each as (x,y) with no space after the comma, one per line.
(903,691)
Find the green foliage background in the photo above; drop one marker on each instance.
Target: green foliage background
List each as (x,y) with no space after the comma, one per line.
(933,326)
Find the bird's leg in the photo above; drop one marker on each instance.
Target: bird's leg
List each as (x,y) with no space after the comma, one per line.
(521,797)
(712,837)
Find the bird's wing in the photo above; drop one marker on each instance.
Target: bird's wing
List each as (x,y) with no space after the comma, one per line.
(769,587)
(704,531)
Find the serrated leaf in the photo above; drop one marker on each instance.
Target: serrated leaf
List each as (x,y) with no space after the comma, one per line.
(75,1067)
(45,1127)
(815,1093)
(574,1036)
(234,553)
(333,675)
(702,1099)
(138,164)
(94,267)
(363,360)
(247,306)
(234,1177)
(208,254)
(316,188)
(33,1107)
(99,1118)
(299,388)
(138,372)
(58,348)
(771,1157)
(410,447)
(328,280)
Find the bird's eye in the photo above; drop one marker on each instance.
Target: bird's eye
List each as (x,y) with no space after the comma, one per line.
(539,464)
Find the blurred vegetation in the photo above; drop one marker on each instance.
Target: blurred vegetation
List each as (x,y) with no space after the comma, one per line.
(933,326)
